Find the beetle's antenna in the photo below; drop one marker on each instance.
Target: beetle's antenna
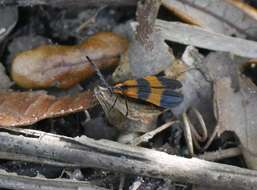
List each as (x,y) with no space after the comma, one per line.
(98,72)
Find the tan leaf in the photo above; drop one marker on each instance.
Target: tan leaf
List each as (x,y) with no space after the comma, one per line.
(26,108)
(222,16)
(65,66)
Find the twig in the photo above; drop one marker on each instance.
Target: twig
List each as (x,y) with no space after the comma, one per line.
(219,16)
(13,181)
(122,181)
(90,21)
(148,54)
(199,37)
(67,3)
(220,154)
(109,155)
(27,158)
(146,15)
(149,135)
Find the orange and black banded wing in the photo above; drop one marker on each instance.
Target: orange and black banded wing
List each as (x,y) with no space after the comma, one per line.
(154,82)
(162,97)
(156,90)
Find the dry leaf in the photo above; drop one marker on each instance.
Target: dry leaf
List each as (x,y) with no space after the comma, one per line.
(236,111)
(229,17)
(26,108)
(65,66)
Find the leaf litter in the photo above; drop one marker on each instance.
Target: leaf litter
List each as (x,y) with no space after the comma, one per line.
(218,41)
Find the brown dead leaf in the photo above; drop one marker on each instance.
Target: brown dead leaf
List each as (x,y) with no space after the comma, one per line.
(236,112)
(229,17)
(65,66)
(26,108)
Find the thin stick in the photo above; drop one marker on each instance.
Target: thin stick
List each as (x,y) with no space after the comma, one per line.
(220,154)
(121,158)
(13,181)
(149,135)
(146,16)
(199,37)
(91,20)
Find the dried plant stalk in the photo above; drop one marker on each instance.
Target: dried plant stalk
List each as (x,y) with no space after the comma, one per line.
(146,15)
(105,154)
(148,54)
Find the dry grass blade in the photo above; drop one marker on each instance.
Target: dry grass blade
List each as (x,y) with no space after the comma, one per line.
(26,108)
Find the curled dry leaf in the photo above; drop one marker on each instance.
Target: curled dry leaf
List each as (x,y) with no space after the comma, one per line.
(229,17)
(140,117)
(64,66)
(26,108)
